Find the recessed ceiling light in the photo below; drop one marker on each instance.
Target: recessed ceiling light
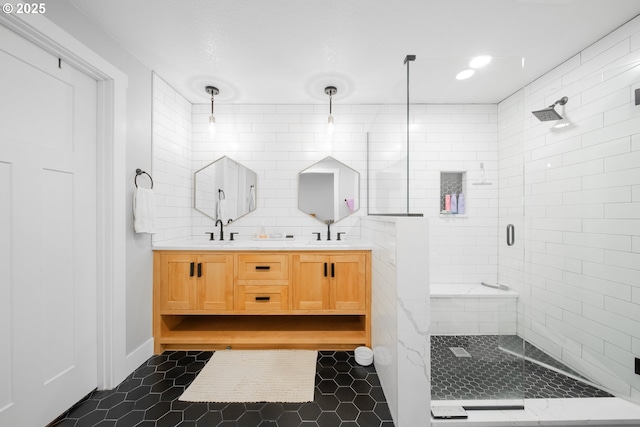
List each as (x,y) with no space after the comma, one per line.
(480,61)
(463,75)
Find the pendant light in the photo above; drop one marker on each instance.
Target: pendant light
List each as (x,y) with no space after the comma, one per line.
(330,90)
(211,90)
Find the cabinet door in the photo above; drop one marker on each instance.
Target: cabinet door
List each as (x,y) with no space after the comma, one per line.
(215,282)
(178,282)
(348,282)
(310,282)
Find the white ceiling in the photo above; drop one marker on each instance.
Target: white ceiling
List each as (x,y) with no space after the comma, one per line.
(287,51)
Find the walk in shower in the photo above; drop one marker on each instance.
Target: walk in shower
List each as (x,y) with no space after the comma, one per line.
(549,223)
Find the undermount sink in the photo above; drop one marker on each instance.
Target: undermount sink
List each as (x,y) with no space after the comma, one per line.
(327,242)
(218,243)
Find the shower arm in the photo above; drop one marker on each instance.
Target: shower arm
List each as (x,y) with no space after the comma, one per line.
(560,101)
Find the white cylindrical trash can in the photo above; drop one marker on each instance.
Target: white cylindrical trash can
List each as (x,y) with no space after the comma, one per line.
(364,356)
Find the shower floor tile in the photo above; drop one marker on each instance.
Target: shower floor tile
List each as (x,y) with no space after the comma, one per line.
(491,373)
(346,394)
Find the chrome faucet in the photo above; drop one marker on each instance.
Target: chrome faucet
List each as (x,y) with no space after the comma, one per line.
(221,230)
(329,222)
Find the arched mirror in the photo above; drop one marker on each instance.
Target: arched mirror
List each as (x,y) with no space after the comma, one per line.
(225,190)
(329,190)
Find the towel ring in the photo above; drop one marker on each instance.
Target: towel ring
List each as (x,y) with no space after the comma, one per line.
(140,172)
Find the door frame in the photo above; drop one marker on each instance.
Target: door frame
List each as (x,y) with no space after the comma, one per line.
(110,188)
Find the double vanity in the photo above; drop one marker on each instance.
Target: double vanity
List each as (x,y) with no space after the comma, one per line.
(262,294)
(266,292)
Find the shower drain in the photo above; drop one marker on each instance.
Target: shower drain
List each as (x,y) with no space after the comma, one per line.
(459,352)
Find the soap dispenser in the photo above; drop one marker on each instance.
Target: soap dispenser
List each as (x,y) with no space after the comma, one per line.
(263,233)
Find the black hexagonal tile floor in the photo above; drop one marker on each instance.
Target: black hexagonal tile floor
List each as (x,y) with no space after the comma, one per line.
(346,394)
(491,373)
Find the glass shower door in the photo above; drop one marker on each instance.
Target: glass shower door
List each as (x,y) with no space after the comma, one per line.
(463,148)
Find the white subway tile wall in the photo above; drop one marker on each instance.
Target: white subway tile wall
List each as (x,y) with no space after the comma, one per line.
(278,141)
(580,278)
(171,163)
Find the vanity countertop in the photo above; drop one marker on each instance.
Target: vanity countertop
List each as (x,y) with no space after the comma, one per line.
(263,245)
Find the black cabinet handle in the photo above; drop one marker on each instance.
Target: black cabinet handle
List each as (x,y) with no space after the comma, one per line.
(191,269)
(333,270)
(511,235)
(325,269)
(199,269)
(263,267)
(263,298)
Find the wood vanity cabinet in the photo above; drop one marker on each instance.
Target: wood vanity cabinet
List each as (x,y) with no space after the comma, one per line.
(336,282)
(209,300)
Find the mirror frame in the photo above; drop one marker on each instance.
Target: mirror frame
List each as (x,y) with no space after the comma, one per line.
(356,197)
(250,196)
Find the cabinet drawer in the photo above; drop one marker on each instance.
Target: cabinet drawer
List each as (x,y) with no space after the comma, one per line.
(262,298)
(263,267)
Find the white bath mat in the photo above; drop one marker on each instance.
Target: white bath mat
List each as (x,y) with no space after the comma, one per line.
(255,376)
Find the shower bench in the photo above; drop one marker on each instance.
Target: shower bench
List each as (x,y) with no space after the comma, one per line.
(472,309)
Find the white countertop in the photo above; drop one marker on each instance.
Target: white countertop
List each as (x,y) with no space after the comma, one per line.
(263,245)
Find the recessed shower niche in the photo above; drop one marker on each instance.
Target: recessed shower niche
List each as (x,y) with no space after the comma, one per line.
(453,193)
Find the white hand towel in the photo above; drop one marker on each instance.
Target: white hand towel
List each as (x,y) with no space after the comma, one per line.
(144,213)
(252,198)
(221,211)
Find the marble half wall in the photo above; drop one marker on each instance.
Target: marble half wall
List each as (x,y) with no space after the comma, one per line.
(400,314)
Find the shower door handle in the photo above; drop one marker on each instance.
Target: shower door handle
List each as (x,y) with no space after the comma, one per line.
(511,234)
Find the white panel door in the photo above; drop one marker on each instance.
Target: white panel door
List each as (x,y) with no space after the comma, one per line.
(48,320)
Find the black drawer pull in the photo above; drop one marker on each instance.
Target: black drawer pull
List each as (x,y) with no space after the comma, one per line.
(263,298)
(191,269)
(263,267)
(333,270)
(199,269)
(325,269)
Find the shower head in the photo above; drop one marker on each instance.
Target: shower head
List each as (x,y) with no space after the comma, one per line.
(549,113)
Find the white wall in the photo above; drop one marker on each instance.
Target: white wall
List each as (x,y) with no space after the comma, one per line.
(581,301)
